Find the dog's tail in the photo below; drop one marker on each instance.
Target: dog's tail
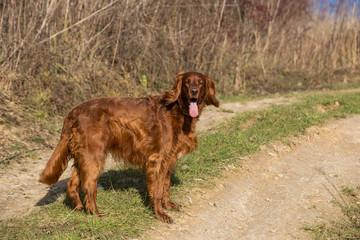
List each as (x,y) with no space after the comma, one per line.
(57,163)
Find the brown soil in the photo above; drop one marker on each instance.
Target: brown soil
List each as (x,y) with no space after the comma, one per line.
(275,192)
(19,186)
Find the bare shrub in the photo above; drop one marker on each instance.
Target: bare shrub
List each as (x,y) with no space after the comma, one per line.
(79,49)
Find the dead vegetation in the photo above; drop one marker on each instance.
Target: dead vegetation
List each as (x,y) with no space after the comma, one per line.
(54,54)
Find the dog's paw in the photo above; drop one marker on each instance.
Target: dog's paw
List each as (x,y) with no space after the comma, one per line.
(101,215)
(164,217)
(172,206)
(79,207)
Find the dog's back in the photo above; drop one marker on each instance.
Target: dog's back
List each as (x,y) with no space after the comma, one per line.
(126,127)
(149,132)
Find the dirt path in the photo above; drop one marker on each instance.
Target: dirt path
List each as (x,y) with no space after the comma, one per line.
(277,191)
(20,191)
(271,197)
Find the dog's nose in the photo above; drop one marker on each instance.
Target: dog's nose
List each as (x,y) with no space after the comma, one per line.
(194,91)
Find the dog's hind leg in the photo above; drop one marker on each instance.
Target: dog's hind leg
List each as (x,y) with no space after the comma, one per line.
(72,190)
(90,168)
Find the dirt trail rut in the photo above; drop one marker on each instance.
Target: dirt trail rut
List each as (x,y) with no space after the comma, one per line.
(271,197)
(20,190)
(277,191)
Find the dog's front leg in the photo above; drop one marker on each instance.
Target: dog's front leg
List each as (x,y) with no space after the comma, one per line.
(168,204)
(156,170)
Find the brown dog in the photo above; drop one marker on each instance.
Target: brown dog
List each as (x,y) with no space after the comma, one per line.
(150,132)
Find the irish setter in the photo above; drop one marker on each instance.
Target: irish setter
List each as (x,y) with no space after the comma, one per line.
(151,132)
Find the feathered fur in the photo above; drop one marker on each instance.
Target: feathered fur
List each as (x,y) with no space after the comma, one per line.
(151,132)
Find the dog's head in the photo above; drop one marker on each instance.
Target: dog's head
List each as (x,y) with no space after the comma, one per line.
(192,90)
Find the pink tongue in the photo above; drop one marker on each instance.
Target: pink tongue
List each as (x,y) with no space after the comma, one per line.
(193,109)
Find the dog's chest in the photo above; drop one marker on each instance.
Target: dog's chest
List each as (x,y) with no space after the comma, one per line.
(186,143)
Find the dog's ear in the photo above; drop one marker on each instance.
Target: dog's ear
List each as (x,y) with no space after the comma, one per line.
(173,95)
(210,93)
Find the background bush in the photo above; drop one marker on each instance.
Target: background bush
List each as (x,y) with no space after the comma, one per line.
(60,52)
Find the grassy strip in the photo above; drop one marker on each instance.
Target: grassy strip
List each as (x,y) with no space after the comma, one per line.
(245,133)
(123,194)
(346,228)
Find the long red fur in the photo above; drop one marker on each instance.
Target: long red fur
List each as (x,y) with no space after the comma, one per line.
(56,164)
(150,132)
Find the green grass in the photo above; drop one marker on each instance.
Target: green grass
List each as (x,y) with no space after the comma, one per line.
(237,98)
(123,195)
(348,227)
(348,191)
(245,133)
(127,217)
(341,86)
(16,147)
(37,139)
(243,98)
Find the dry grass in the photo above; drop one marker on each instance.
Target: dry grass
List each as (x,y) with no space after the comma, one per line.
(64,51)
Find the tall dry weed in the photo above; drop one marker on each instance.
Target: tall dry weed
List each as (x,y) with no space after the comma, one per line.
(79,49)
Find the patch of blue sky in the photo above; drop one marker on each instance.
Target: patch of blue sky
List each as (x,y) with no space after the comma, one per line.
(334,6)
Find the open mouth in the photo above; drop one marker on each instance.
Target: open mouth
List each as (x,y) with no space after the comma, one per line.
(193,107)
